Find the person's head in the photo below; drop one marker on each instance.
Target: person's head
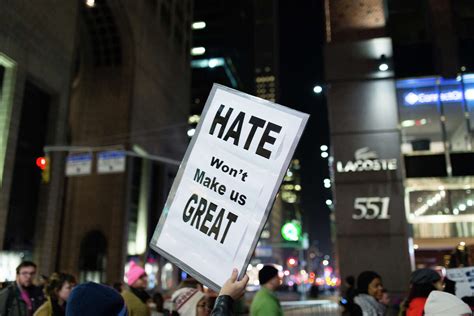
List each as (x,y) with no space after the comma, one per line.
(190,282)
(59,286)
(269,278)
(25,273)
(442,303)
(350,281)
(370,283)
(190,302)
(423,282)
(136,277)
(94,299)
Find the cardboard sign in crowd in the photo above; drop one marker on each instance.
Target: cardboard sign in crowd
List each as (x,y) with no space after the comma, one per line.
(226,184)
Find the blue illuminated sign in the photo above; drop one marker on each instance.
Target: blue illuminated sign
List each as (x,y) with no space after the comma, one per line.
(414,98)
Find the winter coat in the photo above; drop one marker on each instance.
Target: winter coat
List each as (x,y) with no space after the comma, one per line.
(50,308)
(265,303)
(223,306)
(12,304)
(416,307)
(369,305)
(135,306)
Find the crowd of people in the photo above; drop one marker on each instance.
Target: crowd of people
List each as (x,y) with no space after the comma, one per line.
(429,294)
(62,295)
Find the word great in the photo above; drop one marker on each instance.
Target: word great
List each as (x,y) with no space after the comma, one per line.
(234,130)
(199,213)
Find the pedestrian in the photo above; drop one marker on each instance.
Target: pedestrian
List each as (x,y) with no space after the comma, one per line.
(231,291)
(265,302)
(136,298)
(422,283)
(22,297)
(370,291)
(92,299)
(444,304)
(189,301)
(57,288)
(158,302)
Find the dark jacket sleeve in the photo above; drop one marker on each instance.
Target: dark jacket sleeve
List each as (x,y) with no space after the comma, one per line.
(223,306)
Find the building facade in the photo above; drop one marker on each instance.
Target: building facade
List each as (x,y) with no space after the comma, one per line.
(107,75)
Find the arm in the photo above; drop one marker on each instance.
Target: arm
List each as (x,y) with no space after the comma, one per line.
(230,291)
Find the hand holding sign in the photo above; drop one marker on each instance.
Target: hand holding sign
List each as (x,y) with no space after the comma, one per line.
(226,186)
(234,288)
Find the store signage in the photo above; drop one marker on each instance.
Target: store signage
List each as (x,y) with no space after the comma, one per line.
(226,185)
(366,160)
(371,208)
(414,98)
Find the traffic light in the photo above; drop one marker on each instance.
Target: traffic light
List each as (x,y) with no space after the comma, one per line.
(43,164)
(292,262)
(291,231)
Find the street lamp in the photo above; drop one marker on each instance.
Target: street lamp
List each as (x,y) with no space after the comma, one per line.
(318,89)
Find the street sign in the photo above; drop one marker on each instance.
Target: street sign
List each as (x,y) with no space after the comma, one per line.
(78,164)
(111,161)
(226,184)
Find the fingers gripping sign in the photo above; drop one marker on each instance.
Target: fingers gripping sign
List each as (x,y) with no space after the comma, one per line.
(234,288)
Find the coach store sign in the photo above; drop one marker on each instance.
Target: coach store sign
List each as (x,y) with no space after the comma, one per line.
(366,160)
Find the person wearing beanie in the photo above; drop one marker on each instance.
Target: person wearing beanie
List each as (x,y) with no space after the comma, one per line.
(94,299)
(136,298)
(370,291)
(422,283)
(265,302)
(189,301)
(445,304)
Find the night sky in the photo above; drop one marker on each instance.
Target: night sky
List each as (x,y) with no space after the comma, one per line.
(301,68)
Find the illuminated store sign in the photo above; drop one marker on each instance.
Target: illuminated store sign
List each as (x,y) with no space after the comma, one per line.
(414,98)
(366,160)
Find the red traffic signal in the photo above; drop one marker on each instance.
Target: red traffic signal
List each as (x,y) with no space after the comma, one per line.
(41,162)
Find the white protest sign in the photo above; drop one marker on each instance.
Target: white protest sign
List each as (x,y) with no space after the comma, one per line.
(226,184)
(464,278)
(111,161)
(78,164)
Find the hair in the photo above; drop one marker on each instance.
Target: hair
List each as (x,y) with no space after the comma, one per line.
(55,283)
(158,300)
(364,279)
(419,290)
(350,280)
(25,264)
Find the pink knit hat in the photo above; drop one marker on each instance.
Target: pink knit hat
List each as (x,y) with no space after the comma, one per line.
(134,273)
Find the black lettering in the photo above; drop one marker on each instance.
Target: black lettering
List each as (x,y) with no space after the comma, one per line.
(221,120)
(234,195)
(256,123)
(199,212)
(211,209)
(221,189)
(190,210)
(235,129)
(199,175)
(232,218)
(217,224)
(233,172)
(266,138)
(242,199)
(216,162)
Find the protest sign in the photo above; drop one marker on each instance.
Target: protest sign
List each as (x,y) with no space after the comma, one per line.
(226,184)
(464,278)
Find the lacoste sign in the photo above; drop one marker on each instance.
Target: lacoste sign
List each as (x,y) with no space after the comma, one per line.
(366,160)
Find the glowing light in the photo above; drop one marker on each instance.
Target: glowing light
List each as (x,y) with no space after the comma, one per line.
(90,3)
(318,89)
(383,67)
(191,132)
(462,243)
(196,51)
(462,207)
(413,98)
(328,202)
(456,211)
(259,266)
(415,246)
(286,273)
(213,63)
(199,25)
(325,262)
(324,154)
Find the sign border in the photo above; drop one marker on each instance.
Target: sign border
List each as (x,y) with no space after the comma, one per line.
(198,276)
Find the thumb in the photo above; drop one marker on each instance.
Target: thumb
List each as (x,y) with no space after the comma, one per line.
(234,275)
(244,280)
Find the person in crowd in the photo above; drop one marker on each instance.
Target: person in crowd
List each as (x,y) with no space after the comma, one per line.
(189,301)
(118,286)
(57,288)
(370,291)
(350,291)
(265,302)
(22,297)
(93,299)
(136,298)
(449,286)
(441,303)
(158,302)
(192,283)
(422,283)
(231,291)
